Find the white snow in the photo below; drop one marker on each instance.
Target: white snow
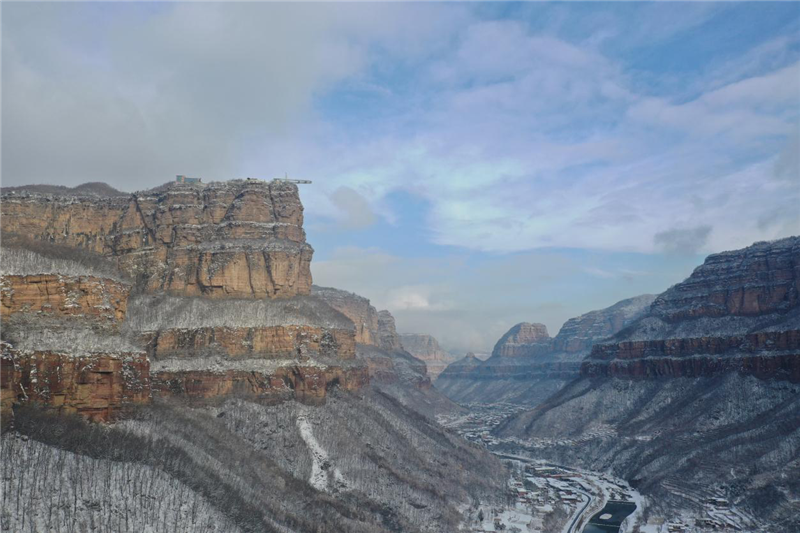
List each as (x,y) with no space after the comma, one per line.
(319,457)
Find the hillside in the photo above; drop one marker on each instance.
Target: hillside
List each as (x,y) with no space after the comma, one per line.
(185,316)
(700,397)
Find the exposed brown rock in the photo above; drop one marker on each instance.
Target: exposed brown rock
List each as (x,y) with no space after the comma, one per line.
(356,308)
(57,295)
(760,279)
(774,354)
(98,387)
(236,239)
(276,342)
(736,312)
(222,271)
(304,383)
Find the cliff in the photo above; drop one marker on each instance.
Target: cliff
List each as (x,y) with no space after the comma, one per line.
(524,340)
(392,369)
(61,341)
(739,311)
(698,396)
(356,308)
(234,239)
(220,281)
(427,349)
(527,365)
(577,336)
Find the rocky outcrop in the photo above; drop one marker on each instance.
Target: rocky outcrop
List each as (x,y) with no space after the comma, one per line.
(235,239)
(57,295)
(527,365)
(98,386)
(578,335)
(61,345)
(739,311)
(221,276)
(758,280)
(275,342)
(461,369)
(356,308)
(373,327)
(388,339)
(307,383)
(523,340)
(426,348)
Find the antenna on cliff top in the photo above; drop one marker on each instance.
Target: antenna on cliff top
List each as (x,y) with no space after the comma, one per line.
(286,179)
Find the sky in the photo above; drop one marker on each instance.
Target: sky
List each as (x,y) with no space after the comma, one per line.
(474,165)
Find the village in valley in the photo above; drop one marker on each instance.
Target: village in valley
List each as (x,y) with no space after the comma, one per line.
(546,497)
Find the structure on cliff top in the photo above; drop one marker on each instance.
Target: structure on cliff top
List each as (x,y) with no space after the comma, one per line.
(219,277)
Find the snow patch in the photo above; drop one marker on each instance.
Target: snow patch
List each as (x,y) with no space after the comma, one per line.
(319,457)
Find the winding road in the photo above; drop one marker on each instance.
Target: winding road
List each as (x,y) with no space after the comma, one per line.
(574,523)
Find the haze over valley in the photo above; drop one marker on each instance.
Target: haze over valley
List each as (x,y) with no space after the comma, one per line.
(402,267)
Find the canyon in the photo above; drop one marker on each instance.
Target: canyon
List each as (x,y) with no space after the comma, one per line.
(426,348)
(527,365)
(208,287)
(185,315)
(697,396)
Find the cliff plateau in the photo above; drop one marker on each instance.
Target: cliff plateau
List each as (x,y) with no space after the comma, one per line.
(698,396)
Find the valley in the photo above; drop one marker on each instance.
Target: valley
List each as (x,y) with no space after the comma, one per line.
(183,323)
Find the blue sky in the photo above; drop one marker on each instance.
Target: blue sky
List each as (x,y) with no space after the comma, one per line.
(474,165)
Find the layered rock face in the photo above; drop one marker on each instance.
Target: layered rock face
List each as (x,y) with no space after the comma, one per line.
(356,308)
(699,395)
(738,311)
(524,340)
(426,348)
(392,369)
(235,239)
(527,365)
(756,281)
(221,276)
(98,386)
(61,344)
(54,294)
(578,335)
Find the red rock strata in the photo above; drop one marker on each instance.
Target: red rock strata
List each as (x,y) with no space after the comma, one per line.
(97,386)
(765,354)
(53,294)
(304,383)
(277,342)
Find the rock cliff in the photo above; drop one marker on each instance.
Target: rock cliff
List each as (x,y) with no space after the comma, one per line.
(61,345)
(220,280)
(524,340)
(426,348)
(392,369)
(234,239)
(738,311)
(527,365)
(697,396)
(356,308)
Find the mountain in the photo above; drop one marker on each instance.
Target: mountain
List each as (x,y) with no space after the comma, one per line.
(241,399)
(699,397)
(527,365)
(426,348)
(391,368)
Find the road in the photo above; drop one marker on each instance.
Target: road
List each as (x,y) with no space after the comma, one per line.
(579,514)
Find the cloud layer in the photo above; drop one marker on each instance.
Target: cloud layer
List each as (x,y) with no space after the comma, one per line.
(435,132)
